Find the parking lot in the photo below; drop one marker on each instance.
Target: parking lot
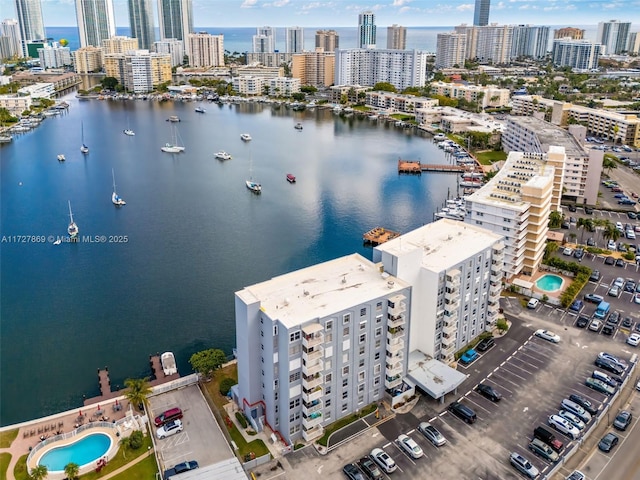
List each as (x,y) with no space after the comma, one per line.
(201,439)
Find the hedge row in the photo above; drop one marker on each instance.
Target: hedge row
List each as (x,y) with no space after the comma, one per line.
(572,267)
(569,295)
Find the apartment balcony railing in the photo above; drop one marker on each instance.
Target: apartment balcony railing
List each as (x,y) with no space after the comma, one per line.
(309,408)
(311,381)
(310,434)
(398,309)
(452,297)
(392,382)
(312,368)
(395,321)
(448,340)
(393,333)
(313,354)
(395,345)
(310,421)
(450,328)
(315,393)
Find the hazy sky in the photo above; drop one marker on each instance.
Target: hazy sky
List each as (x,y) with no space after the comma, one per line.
(344,13)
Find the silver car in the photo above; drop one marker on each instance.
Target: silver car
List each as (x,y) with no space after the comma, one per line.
(384,461)
(573,419)
(432,434)
(523,465)
(410,446)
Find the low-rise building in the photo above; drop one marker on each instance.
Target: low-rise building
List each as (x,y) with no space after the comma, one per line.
(257,70)
(398,102)
(16,104)
(484,96)
(38,90)
(60,81)
(54,56)
(269,59)
(351,92)
(87,60)
(172,46)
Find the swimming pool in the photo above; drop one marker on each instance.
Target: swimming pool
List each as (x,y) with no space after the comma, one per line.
(549,282)
(81,452)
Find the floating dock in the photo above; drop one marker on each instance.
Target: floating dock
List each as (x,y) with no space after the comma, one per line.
(415,167)
(378,236)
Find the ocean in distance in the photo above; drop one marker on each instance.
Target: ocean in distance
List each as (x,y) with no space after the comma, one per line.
(190,235)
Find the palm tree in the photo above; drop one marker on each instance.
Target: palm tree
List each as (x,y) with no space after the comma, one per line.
(39,472)
(555,219)
(611,232)
(71,470)
(138,389)
(584,223)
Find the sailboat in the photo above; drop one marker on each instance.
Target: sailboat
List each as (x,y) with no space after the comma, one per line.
(173,147)
(72,229)
(255,187)
(84,149)
(117,201)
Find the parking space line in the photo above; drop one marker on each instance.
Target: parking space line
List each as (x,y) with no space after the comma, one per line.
(502,387)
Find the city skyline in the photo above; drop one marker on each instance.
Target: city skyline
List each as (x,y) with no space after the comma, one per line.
(246,13)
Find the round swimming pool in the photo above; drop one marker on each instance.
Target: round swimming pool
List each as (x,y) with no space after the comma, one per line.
(81,452)
(549,282)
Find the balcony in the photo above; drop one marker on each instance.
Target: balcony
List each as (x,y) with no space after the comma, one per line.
(393,369)
(312,394)
(312,433)
(310,421)
(495,290)
(452,297)
(450,328)
(448,350)
(310,369)
(395,345)
(448,341)
(392,382)
(393,333)
(397,306)
(311,381)
(451,310)
(312,354)
(312,335)
(309,408)
(452,283)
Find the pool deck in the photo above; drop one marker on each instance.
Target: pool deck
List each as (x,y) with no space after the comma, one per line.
(551,294)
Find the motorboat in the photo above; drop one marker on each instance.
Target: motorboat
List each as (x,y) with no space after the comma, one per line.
(253,186)
(291,178)
(129,132)
(72,229)
(222,155)
(200,110)
(115,199)
(173,118)
(61,157)
(168,362)
(246,137)
(298,126)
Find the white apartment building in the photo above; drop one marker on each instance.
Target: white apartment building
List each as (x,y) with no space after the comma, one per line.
(582,169)
(269,59)
(54,56)
(139,71)
(529,41)
(396,37)
(257,70)
(489,43)
(516,204)
(581,55)
(487,96)
(119,44)
(283,86)
(38,90)
(614,35)
(264,41)
(87,60)
(361,66)
(16,104)
(96,21)
(172,46)
(398,102)
(249,85)
(205,50)
(455,270)
(317,344)
(10,37)
(450,50)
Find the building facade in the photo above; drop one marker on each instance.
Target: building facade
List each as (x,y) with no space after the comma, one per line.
(16,104)
(314,68)
(312,348)
(38,90)
(87,60)
(141,23)
(487,96)
(614,36)
(396,37)
(139,71)
(361,66)
(119,44)
(634,43)
(294,40)
(581,55)
(96,21)
(489,43)
(481,13)
(569,32)
(264,41)
(11,39)
(54,56)
(175,18)
(328,40)
(30,22)
(172,46)
(273,59)
(367,30)
(206,50)
(450,50)
(397,102)
(529,41)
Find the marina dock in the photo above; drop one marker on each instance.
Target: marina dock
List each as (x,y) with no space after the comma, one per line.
(415,167)
(378,236)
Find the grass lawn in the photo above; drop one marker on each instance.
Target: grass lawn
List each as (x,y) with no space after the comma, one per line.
(20,470)
(144,470)
(121,458)
(490,156)
(403,117)
(5,458)
(257,447)
(343,422)
(7,438)
(362,108)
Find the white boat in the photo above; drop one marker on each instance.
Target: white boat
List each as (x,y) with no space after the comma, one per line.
(246,137)
(61,158)
(83,148)
(168,362)
(115,199)
(72,229)
(200,110)
(222,155)
(173,147)
(173,118)
(129,132)
(255,187)
(298,126)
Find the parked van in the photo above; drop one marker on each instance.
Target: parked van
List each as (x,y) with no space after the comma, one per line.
(463,412)
(168,416)
(602,311)
(576,409)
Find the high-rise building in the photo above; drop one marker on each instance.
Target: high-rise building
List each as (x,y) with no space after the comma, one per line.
(314,68)
(30,21)
(634,43)
(614,36)
(54,56)
(481,13)
(87,60)
(578,54)
(96,21)
(264,41)
(175,18)
(119,44)
(529,41)
(206,50)
(367,30)
(570,32)
(450,50)
(139,71)
(172,46)
(10,38)
(294,40)
(328,40)
(141,22)
(396,37)
(491,43)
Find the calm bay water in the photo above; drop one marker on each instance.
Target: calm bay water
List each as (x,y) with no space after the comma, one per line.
(195,234)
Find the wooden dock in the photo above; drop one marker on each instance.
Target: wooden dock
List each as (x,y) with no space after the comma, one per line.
(378,236)
(415,167)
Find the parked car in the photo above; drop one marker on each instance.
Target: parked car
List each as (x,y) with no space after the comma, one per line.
(564,426)
(609,366)
(584,403)
(614,291)
(573,419)
(485,344)
(575,408)
(169,428)
(384,461)
(432,434)
(627,322)
(543,450)
(599,386)
(168,415)
(593,298)
(547,335)
(588,210)
(577,305)
(612,358)
(608,379)
(548,437)
(582,321)
(623,420)
(620,262)
(523,465)
(369,468)
(353,472)
(608,330)
(186,466)
(630,286)
(591,242)
(578,253)
(618,282)
(468,356)
(410,446)
(489,392)
(533,303)
(634,339)
(572,208)
(609,441)
(610,260)
(462,411)
(577,475)
(595,325)
(614,318)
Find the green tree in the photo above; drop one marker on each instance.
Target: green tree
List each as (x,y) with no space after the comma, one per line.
(298,96)
(555,219)
(137,390)
(611,232)
(207,361)
(109,83)
(502,325)
(71,470)
(584,224)
(608,163)
(385,87)
(308,89)
(39,472)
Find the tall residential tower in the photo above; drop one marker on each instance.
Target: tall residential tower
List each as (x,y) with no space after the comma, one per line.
(614,35)
(328,40)
(175,18)
(141,23)
(367,30)
(481,13)
(96,21)
(294,40)
(30,21)
(396,37)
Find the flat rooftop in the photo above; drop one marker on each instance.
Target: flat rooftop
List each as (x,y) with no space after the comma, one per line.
(549,134)
(444,243)
(321,290)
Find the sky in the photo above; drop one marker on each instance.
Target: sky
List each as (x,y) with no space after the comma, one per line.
(344,13)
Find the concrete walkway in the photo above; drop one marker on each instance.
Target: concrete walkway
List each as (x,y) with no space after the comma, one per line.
(276,449)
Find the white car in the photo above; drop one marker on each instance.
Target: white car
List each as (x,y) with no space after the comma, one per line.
(409,445)
(618,282)
(169,428)
(595,325)
(547,335)
(384,461)
(634,339)
(564,426)
(573,419)
(533,303)
(568,251)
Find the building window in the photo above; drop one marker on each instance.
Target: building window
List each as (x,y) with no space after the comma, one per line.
(362,349)
(377,356)
(275,330)
(295,336)
(345,370)
(377,369)
(294,403)
(345,331)
(363,338)
(328,325)
(327,390)
(294,377)
(363,325)
(361,376)
(361,362)
(346,318)
(327,403)
(345,395)
(345,382)
(363,312)
(376,381)
(378,331)
(378,343)
(327,415)
(327,378)
(360,399)
(379,306)
(344,407)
